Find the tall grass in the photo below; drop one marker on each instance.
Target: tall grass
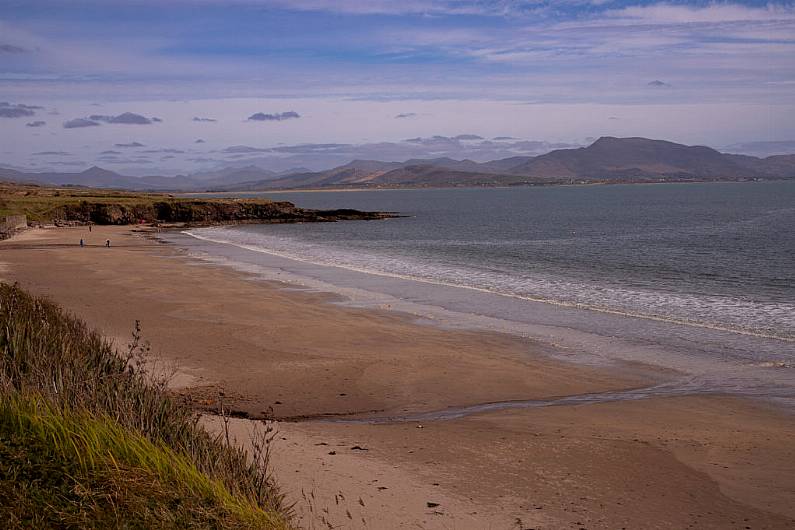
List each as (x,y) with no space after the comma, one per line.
(67,395)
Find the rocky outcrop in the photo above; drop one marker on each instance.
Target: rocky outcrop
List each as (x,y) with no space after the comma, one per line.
(196,211)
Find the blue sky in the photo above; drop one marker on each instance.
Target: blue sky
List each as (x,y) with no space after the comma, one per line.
(563,72)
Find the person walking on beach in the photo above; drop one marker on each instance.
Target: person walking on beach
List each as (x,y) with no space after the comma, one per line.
(107,243)
(89,228)
(81,243)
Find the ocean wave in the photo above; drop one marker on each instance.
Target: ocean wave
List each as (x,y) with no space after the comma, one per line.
(774,320)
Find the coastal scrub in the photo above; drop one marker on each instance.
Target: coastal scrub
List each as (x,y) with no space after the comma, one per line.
(89,438)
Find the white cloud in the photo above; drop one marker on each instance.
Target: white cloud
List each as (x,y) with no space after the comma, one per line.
(278,116)
(393,7)
(79,123)
(715,13)
(525,76)
(129,118)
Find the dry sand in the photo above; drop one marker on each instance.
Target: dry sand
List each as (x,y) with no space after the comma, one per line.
(685,462)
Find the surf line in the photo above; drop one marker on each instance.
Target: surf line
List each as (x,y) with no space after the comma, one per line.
(558,303)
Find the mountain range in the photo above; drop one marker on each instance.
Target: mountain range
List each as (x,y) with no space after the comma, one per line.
(608,159)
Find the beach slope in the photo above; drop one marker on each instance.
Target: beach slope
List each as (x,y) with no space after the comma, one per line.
(701,462)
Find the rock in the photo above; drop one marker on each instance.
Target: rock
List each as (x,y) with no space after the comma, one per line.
(202,211)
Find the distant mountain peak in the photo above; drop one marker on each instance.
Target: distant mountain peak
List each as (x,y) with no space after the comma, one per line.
(628,140)
(96,171)
(608,159)
(605,140)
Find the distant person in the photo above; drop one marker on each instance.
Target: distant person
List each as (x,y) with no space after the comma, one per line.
(107,243)
(82,244)
(89,228)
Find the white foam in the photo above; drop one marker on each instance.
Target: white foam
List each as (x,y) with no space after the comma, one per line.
(766,320)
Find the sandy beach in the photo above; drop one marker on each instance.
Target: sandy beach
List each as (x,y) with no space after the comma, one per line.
(676,462)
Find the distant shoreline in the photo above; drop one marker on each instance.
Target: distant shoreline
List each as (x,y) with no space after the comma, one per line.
(415,188)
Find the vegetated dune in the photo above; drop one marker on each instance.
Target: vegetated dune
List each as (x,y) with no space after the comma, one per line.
(83,205)
(88,439)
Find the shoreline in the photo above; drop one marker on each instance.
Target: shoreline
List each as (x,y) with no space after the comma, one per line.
(474,345)
(757,366)
(560,184)
(718,460)
(557,303)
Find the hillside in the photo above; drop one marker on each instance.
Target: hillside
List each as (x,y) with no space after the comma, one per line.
(619,158)
(64,205)
(96,177)
(87,440)
(425,175)
(92,177)
(608,159)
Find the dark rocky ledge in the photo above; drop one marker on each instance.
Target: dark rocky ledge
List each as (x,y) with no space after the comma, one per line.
(202,212)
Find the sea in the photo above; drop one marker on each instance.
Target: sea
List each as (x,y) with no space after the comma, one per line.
(696,279)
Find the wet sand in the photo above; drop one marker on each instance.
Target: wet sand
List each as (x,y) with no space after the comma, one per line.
(676,462)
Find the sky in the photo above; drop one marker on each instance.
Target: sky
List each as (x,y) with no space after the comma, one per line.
(154,87)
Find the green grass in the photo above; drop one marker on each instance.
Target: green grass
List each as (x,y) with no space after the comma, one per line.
(60,467)
(89,439)
(84,205)
(43,204)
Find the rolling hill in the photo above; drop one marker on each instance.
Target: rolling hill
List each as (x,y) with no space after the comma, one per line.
(608,159)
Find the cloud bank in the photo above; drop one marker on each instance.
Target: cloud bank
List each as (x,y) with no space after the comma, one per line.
(127,118)
(79,123)
(10,110)
(52,153)
(10,48)
(711,72)
(280,116)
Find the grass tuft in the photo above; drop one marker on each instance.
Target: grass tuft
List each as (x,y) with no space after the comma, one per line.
(89,439)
